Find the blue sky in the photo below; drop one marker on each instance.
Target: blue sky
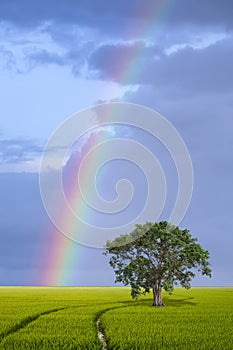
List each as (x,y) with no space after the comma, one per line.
(59,57)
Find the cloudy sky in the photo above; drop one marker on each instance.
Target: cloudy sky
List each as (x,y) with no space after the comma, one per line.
(60,57)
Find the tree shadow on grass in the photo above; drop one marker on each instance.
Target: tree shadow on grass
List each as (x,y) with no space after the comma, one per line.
(167,301)
(179,302)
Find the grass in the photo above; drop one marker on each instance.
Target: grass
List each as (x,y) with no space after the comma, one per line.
(65,318)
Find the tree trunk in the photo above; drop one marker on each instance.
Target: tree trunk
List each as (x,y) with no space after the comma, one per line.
(157,296)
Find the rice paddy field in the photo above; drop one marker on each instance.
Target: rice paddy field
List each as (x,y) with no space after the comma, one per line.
(107,318)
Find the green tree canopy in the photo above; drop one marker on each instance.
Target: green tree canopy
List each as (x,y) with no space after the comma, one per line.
(156,256)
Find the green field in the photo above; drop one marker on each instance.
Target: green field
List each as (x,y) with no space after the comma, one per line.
(65,318)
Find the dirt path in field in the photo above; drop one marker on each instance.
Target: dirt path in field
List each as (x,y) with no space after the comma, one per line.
(24,322)
(101,335)
(99,327)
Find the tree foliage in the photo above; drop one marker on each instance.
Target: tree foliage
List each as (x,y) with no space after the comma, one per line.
(156,256)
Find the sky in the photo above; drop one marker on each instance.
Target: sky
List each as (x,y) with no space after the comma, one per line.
(58,58)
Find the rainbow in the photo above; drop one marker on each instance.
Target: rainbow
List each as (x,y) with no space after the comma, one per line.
(63,256)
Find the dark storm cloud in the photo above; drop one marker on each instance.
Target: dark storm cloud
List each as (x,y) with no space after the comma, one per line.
(74,58)
(191,70)
(90,13)
(117,14)
(196,70)
(66,22)
(202,12)
(111,61)
(18,150)
(188,69)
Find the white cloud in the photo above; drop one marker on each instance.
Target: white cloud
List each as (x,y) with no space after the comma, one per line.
(197,42)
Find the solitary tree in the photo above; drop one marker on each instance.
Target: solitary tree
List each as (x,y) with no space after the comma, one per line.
(156,256)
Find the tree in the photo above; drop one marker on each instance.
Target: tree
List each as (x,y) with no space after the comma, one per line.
(156,256)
